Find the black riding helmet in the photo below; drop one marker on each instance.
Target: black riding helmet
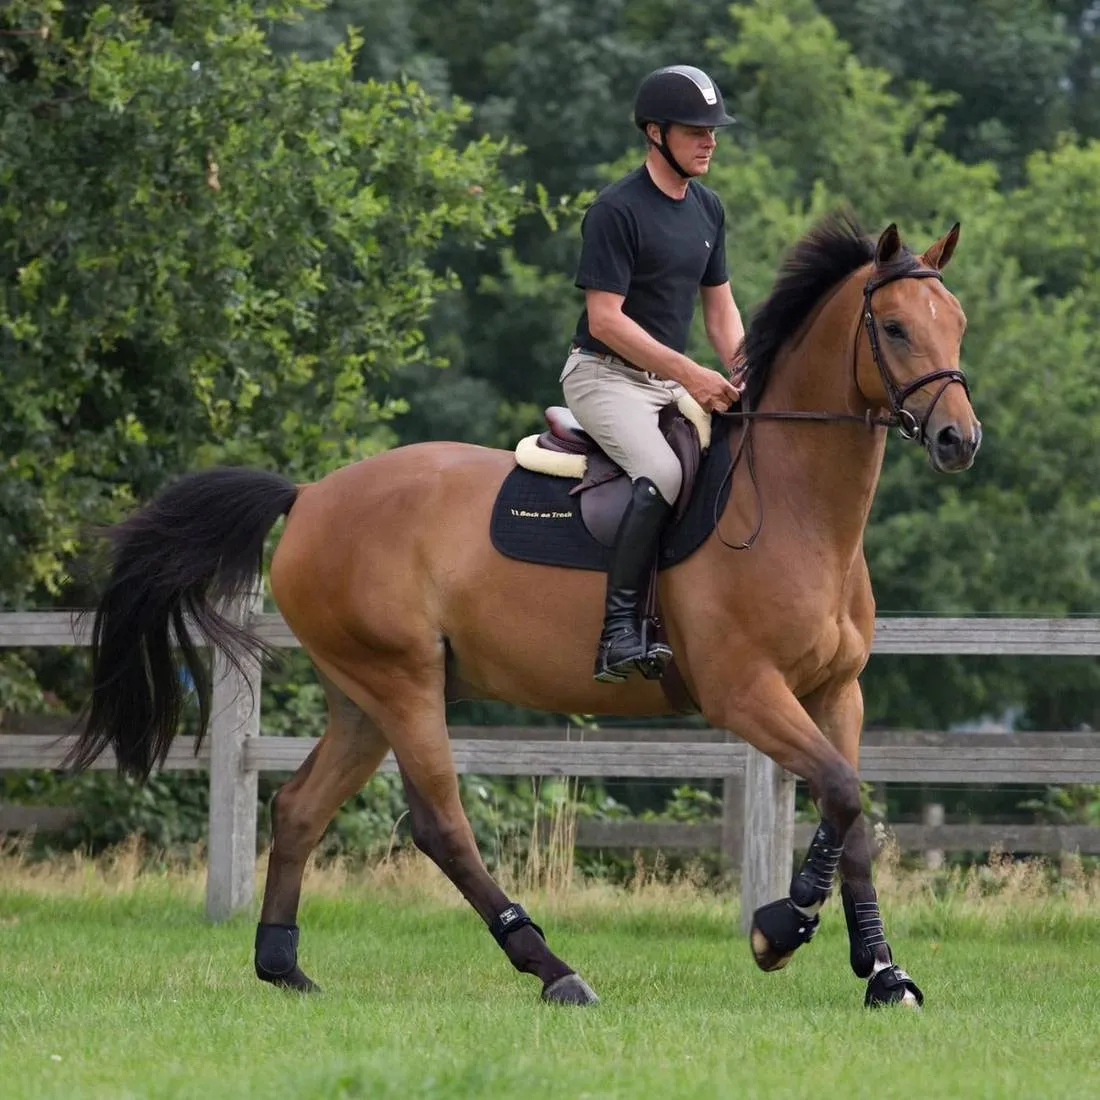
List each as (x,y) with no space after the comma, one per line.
(683,94)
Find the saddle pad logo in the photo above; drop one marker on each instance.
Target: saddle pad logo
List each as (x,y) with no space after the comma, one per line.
(523,513)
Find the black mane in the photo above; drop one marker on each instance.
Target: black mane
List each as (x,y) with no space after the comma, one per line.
(828,253)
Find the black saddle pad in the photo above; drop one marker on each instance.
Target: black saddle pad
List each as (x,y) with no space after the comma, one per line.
(535,519)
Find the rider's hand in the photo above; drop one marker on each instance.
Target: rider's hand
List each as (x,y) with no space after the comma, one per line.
(712,390)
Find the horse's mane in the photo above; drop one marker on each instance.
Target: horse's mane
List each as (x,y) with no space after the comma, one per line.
(828,253)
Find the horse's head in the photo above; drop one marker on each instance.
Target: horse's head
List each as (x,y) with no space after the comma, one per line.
(910,361)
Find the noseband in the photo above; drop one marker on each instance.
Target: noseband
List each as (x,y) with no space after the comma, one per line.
(896,395)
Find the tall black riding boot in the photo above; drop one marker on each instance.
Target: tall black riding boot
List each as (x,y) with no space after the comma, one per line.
(623,647)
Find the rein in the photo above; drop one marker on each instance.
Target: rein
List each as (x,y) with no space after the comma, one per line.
(896,395)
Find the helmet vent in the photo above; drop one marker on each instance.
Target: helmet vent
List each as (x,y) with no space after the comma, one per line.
(699,79)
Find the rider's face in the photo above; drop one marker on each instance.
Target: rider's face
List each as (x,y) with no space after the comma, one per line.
(691,147)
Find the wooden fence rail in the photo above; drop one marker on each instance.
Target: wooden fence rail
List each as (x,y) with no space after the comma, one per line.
(759,796)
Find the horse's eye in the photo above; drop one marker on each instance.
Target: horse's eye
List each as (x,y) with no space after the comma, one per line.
(894,330)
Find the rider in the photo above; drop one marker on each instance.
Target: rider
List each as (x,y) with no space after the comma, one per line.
(650,242)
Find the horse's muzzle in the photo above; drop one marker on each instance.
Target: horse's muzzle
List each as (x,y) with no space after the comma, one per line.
(952,448)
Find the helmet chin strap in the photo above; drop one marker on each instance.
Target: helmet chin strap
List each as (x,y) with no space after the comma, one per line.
(665,152)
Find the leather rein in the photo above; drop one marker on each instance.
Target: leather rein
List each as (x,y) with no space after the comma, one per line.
(896,395)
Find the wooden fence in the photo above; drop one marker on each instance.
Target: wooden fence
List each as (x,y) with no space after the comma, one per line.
(758,811)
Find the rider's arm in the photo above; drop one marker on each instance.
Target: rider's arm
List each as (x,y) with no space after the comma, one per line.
(723,323)
(608,323)
(721,317)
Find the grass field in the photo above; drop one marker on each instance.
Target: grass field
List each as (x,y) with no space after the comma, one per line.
(112,984)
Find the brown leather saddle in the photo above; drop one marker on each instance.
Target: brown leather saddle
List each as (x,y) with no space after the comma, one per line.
(604,489)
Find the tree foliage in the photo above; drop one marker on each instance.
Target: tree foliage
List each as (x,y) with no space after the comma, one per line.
(208,253)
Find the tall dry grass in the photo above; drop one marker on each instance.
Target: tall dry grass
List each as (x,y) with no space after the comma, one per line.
(998,894)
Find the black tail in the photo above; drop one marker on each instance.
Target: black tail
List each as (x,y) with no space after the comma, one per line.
(196,545)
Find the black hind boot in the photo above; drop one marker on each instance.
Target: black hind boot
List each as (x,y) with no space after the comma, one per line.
(623,646)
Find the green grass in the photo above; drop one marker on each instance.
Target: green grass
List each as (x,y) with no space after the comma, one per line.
(118,987)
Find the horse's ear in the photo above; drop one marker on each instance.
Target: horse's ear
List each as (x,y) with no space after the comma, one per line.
(889,245)
(939,254)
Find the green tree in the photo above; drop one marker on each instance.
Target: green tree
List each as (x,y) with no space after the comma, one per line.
(208,253)
(1008,66)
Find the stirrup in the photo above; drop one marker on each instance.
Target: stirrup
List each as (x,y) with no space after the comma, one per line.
(658,654)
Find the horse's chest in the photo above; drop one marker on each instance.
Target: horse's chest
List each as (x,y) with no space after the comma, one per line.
(838,650)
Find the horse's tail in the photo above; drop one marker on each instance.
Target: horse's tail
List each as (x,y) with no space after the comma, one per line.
(197,545)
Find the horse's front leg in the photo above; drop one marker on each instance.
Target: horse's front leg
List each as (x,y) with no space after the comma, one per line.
(767,715)
(838,710)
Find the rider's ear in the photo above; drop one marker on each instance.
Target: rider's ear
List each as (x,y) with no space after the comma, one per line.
(889,245)
(939,254)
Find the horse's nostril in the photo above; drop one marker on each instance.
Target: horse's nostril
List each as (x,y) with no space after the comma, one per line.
(948,439)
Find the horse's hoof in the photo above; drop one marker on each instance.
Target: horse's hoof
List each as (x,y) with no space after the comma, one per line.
(778,930)
(296,980)
(892,986)
(767,958)
(571,989)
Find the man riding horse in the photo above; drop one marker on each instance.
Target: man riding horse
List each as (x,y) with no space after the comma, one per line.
(650,242)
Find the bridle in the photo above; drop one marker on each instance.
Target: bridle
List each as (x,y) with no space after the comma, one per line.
(900,417)
(896,395)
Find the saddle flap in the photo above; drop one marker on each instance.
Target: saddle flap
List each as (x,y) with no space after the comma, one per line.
(605,488)
(683,438)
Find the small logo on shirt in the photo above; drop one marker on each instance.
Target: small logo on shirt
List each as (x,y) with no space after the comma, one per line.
(707,243)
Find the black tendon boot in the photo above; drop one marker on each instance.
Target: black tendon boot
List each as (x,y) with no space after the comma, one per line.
(623,648)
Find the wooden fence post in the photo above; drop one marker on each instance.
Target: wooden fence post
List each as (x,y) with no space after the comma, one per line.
(932,816)
(235,717)
(768,852)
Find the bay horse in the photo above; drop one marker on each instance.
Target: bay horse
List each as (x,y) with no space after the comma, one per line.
(386,575)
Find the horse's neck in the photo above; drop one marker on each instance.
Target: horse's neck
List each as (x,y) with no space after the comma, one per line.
(828,471)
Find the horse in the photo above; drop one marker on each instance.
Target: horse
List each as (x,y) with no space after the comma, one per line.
(386,574)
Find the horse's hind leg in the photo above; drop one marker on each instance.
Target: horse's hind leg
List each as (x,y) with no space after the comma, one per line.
(410,711)
(442,831)
(342,761)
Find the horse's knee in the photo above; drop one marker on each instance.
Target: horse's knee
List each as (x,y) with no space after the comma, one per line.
(840,804)
(839,798)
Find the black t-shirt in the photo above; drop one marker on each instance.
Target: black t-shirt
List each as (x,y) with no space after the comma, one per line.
(654,250)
